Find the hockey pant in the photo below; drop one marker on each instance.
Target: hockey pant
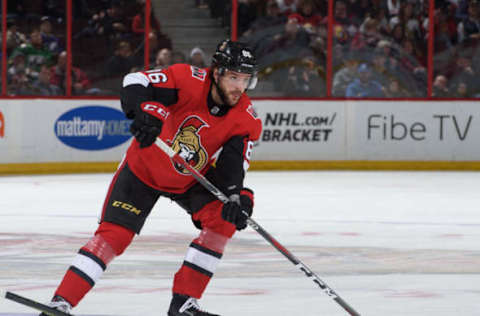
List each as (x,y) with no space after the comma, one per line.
(126,207)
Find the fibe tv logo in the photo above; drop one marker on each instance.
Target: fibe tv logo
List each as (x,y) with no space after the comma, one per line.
(92,127)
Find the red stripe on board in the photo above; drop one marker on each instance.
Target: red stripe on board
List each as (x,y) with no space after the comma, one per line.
(146,34)
(69,48)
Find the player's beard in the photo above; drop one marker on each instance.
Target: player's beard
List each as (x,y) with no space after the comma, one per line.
(231,97)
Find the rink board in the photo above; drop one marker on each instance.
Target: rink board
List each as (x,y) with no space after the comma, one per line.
(61,135)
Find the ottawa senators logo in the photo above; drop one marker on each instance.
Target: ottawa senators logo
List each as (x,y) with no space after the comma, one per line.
(187,144)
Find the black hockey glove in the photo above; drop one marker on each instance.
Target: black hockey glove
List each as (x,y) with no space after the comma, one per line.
(238,208)
(148,122)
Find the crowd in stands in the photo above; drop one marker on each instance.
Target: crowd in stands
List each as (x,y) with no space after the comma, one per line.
(457,56)
(380,47)
(375,42)
(107,43)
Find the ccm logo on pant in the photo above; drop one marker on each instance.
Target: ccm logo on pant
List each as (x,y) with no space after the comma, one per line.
(127,207)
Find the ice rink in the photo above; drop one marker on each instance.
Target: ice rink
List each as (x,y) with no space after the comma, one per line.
(389,243)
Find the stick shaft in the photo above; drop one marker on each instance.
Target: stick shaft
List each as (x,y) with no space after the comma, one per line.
(259,229)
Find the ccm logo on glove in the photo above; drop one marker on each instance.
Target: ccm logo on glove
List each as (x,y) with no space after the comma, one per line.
(155,109)
(148,122)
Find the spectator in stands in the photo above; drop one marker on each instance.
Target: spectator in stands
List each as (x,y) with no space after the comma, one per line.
(394,90)
(123,60)
(409,19)
(343,30)
(80,82)
(345,75)
(461,90)
(464,72)
(114,22)
(293,39)
(109,23)
(14,37)
(163,58)
(138,22)
(409,56)
(304,80)
(376,5)
(42,85)
(178,57)
(445,30)
(287,7)
(366,40)
(50,41)
(364,86)
(35,53)
(197,58)
(138,28)
(461,9)
(393,7)
(340,14)
(398,33)
(271,18)
(469,27)
(379,69)
(247,14)
(18,79)
(156,44)
(380,15)
(308,11)
(360,9)
(318,43)
(440,87)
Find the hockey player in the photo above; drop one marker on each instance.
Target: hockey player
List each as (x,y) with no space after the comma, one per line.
(205,115)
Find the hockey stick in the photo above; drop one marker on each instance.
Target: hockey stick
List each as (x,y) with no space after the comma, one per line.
(253,224)
(33,304)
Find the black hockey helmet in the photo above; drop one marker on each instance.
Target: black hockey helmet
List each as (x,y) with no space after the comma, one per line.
(236,56)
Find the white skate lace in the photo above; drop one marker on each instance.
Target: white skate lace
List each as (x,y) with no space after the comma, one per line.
(191,302)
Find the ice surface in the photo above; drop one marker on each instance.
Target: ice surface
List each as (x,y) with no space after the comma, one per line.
(389,243)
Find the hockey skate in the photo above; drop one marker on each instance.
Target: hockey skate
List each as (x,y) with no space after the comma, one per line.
(59,304)
(182,305)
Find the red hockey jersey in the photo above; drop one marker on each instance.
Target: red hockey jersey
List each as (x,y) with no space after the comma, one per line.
(191,128)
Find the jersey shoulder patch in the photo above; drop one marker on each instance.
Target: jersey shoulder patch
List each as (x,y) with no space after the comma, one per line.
(251,120)
(186,72)
(251,111)
(198,73)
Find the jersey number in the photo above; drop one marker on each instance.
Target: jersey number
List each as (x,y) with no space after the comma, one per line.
(157,77)
(248,152)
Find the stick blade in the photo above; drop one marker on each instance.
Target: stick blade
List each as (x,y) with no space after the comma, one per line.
(33,304)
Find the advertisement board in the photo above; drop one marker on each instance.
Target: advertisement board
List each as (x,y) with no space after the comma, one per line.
(318,134)
(369,130)
(39,131)
(406,130)
(301,130)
